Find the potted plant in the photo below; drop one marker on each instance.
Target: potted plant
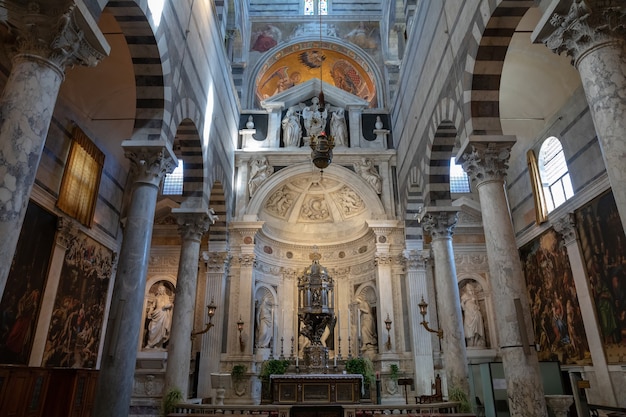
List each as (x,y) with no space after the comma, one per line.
(270,367)
(365,367)
(457,394)
(169,401)
(238,372)
(394,372)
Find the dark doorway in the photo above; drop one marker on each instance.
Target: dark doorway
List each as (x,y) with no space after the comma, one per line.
(317,411)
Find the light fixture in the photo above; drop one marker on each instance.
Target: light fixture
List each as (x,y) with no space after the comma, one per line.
(388,326)
(423,306)
(210,312)
(242,344)
(321,144)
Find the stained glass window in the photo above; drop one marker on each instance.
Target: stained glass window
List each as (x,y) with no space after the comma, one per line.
(312,7)
(309,8)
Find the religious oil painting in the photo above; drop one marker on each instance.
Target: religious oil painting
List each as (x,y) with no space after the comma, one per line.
(558,325)
(77,318)
(22,298)
(603,247)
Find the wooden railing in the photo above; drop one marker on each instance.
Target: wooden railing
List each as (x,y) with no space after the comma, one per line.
(594,410)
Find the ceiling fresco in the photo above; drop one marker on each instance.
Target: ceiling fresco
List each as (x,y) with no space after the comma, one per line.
(298,63)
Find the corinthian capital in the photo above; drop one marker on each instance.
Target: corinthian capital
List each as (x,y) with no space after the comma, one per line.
(486,158)
(192,223)
(578,26)
(440,223)
(151,159)
(62,32)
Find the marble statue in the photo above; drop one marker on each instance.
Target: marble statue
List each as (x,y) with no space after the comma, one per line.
(314,119)
(368,172)
(338,129)
(292,132)
(369,336)
(264,327)
(473,319)
(160,317)
(260,170)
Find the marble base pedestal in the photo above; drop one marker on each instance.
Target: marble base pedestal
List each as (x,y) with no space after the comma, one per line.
(559,404)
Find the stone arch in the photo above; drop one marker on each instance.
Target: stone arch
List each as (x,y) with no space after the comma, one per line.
(151,65)
(437,175)
(188,148)
(491,42)
(332,44)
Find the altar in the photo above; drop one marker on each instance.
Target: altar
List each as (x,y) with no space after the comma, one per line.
(316,389)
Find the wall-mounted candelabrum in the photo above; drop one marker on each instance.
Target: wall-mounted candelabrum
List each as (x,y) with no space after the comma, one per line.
(423,310)
(242,343)
(210,312)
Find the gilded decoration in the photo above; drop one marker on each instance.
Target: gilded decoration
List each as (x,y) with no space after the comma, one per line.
(299,63)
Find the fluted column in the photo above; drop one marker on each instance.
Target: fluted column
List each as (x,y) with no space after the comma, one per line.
(602,390)
(65,35)
(440,223)
(151,160)
(485,159)
(217,265)
(420,340)
(192,224)
(593,33)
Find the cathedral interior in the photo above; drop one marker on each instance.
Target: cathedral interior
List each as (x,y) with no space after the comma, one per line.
(192,188)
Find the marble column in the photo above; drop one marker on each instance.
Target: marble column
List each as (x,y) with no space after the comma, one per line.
(151,160)
(217,265)
(593,33)
(192,224)
(602,390)
(485,159)
(66,35)
(439,222)
(422,344)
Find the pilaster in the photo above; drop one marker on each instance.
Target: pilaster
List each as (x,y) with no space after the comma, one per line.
(603,391)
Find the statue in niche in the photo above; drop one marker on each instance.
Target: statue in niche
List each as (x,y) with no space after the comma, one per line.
(368,172)
(264,325)
(160,316)
(338,128)
(292,132)
(369,337)
(314,119)
(260,170)
(473,324)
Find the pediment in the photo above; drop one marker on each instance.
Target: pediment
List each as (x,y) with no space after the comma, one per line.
(311,88)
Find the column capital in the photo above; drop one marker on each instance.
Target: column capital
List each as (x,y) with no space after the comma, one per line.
(416,259)
(486,158)
(580,26)
(440,222)
(566,227)
(151,159)
(193,223)
(216,262)
(61,32)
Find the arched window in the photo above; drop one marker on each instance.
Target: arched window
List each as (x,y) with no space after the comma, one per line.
(173,183)
(555,180)
(459,181)
(315,7)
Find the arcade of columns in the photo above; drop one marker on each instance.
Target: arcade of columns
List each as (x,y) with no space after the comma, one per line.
(26,106)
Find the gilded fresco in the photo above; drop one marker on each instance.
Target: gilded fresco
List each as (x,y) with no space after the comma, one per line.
(22,298)
(558,325)
(603,246)
(76,321)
